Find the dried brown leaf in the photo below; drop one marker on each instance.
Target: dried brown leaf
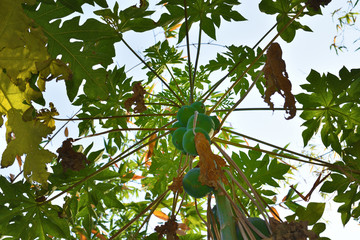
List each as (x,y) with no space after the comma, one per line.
(177,186)
(151,147)
(69,158)
(169,229)
(315,4)
(66,132)
(277,80)
(291,230)
(137,99)
(210,164)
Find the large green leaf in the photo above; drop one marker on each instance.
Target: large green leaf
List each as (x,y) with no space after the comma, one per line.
(23,216)
(93,46)
(333,101)
(285,9)
(208,13)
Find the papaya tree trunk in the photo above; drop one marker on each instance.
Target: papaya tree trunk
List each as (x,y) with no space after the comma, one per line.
(225,215)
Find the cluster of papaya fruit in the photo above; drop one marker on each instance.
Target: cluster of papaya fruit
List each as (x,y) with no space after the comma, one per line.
(183,136)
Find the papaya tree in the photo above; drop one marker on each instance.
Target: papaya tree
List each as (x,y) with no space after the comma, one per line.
(157,141)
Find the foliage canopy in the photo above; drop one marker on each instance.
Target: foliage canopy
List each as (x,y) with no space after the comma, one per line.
(111,193)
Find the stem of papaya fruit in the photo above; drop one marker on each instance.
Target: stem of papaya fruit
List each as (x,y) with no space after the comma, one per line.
(225,215)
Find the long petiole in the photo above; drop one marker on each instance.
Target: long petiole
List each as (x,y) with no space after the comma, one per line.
(197,54)
(188,53)
(120,116)
(152,70)
(269,109)
(274,146)
(124,129)
(165,98)
(319,163)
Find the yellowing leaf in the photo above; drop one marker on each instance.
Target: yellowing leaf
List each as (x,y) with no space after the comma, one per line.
(10,95)
(53,68)
(46,116)
(151,147)
(161,215)
(27,137)
(22,43)
(136,177)
(275,214)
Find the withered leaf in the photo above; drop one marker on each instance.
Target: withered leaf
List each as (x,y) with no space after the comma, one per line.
(70,159)
(291,230)
(315,4)
(137,99)
(169,229)
(46,116)
(177,186)
(277,80)
(151,147)
(210,164)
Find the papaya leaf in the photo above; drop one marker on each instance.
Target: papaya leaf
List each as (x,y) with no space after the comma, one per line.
(22,43)
(23,217)
(11,97)
(238,57)
(199,11)
(330,100)
(312,213)
(132,18)
(284,10)
(28,135)
(93,46)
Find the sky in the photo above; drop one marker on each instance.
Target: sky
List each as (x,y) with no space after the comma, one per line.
(307,51)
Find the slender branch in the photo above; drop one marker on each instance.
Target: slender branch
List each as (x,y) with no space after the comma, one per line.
(165,98)
(198,213)
(120,116)
(197,54)
(188,52)
(240,215)
(269,109)
(152,70)
(124,129)
(324,164)
(161,104)
(159,199)
(274,146)
(203,43)
(259,206)
(256,59)
(52,137)
(265,35)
